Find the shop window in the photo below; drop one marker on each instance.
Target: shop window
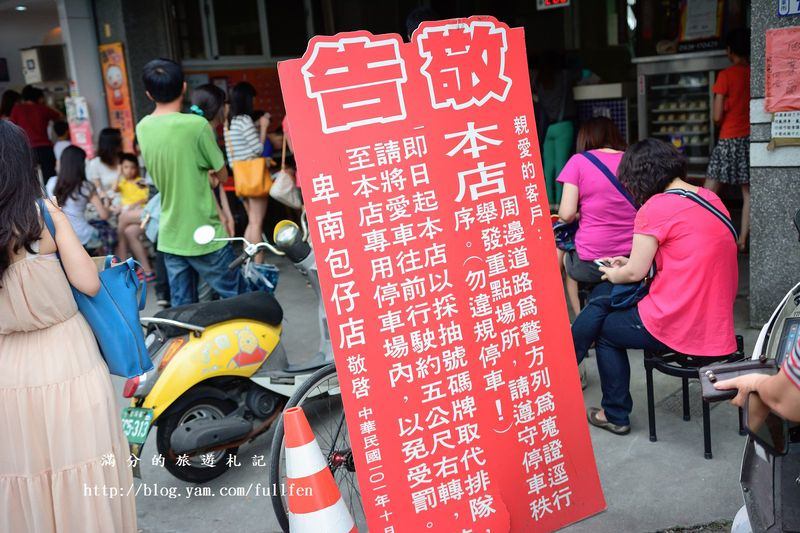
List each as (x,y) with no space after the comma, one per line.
(237,28)
(219,32)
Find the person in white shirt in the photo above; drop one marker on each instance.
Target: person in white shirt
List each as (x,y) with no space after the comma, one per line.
(103,171)
(244,141)
(73,193)
(61,129)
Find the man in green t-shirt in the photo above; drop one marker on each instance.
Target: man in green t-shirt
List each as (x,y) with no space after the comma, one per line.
(181,154)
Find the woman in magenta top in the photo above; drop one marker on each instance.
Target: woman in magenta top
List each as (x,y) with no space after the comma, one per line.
(689,308)
(606,216)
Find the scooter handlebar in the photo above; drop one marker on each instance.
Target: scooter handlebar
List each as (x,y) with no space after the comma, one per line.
(236,263)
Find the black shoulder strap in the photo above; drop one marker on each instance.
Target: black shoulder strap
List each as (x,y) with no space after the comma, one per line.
(708,205)
(611,177)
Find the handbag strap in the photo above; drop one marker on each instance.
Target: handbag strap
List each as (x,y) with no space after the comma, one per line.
(699,200)
(611,177)
(226,134)
(130,262)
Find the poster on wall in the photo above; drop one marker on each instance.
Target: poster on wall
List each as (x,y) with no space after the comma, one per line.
(80,127)
(782,78)
(118,98)
(701,20)
(437,261)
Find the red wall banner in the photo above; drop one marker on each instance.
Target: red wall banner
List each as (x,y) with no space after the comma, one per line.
(423,185)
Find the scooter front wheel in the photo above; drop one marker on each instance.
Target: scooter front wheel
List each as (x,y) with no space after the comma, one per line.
(321,400)
(198,468)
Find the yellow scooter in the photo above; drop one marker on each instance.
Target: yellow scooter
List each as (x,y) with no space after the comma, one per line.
(221,376)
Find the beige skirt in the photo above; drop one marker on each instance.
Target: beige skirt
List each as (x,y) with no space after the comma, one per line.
(63,457)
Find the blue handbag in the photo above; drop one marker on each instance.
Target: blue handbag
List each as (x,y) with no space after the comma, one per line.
(113,313)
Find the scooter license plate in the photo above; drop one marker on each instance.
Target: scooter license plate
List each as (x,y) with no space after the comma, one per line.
(136,423)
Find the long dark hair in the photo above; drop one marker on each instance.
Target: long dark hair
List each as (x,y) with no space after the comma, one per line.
(599,132)
(20,226)
(109,146)
(209,99)
(242,97)
(71,174)
(649,166)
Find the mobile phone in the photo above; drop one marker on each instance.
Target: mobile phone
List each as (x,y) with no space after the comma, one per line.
(601,263)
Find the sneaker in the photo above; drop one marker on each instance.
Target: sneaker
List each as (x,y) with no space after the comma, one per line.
(163,304)
(616,429)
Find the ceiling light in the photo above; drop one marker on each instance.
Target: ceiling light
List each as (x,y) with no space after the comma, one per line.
(21,8)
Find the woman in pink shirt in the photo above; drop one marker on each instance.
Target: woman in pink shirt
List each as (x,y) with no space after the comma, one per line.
(606,215)
(689,308)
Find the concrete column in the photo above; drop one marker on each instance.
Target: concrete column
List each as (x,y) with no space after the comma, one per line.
(83,62)
(774,184)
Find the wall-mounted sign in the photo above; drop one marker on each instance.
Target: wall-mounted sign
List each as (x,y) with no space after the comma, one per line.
(788,7)
(118,97)
(550,4)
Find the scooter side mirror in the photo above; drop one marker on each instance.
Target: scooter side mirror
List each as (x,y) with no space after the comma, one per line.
(204,234)
(797,223)
(765,427)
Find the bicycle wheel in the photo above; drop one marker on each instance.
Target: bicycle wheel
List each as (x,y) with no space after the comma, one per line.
(321,401)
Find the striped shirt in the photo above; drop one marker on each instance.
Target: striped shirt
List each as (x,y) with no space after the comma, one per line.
(242,141)
(791,367)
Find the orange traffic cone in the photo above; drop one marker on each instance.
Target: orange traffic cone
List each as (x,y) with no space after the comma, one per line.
(315,504)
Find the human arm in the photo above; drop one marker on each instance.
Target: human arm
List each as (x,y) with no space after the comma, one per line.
(719,108)
(636,268)
(777,392)
(568,209)
(102,211)
(78,266)
(720,90)
(263,126)
(225,212)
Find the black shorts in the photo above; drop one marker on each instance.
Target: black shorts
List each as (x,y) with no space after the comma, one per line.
(582,271)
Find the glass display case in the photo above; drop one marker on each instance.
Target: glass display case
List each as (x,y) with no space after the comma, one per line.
(674,101)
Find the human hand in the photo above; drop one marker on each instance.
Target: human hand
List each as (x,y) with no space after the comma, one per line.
(263,122)
(745,384)
(609,273)
(617,261)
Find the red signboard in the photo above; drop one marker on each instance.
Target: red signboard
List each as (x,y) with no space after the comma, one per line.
(783,70)
(430,224)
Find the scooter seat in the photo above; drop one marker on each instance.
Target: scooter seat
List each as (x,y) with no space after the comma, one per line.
(258,306)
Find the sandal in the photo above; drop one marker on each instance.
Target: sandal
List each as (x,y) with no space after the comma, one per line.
(605,424)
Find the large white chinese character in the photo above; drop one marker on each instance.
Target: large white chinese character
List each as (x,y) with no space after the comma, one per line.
(360,387)
(344,297)
(481,507)
(352,333)
(323,189)
(520,125)
(339,263)
(472,136)
(355,81)
(387,153)
(464,63)
(359,158)
(330,226)
(490,181)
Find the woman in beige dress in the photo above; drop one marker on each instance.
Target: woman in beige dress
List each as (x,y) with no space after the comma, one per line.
(63,457)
